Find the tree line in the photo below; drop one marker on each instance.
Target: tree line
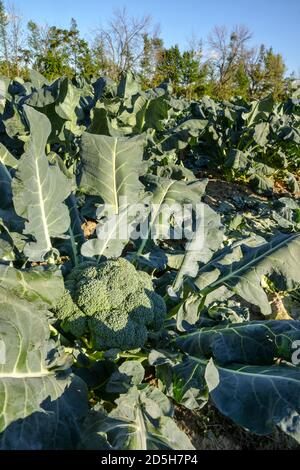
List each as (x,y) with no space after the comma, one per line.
(227,66)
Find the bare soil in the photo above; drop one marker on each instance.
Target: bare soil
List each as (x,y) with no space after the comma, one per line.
(209,430)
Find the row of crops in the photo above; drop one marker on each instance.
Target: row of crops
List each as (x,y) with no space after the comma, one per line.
(127,286)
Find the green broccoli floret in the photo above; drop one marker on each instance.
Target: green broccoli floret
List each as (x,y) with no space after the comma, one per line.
(159,305)
(73,319)
(111,302)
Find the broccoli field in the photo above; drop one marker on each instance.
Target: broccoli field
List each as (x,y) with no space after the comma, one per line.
(149,265)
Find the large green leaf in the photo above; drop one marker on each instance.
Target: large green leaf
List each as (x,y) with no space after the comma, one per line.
(39,191)
(6,158)
(237,160)
(46,95)
(259,110)
(59,102)
(183,381)
(205,240)
(256,342)
(14,125)
(257,397)
(101,124)
(7,163)
(128,86)
(245,380)
(111,168)
(277,260)
(36,285)
(68,104)
(40,403)
(168,194)
(261,132)
(141,421)
(37,79)
(180,137)
(150,113)
(113,235)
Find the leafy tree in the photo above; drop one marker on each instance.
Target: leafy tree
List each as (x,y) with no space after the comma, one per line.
(170,66)
(228,52)
(152,50)
(185,71)
(99,58)
(38,43)
(56,60)
(131,43)
(193,74)
(44,49)
(54,51)
(266,74)
(80,58)
(255,73)
(274,74)
(241,81)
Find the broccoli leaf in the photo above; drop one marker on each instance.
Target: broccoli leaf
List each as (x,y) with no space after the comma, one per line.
(277,260)
(36,285)
(37,391)
(141,421)
(111,168)
(244,379)
(204,242)
(39,191)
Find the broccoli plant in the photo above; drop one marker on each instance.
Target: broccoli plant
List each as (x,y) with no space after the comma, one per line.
(113,303)
(99,182)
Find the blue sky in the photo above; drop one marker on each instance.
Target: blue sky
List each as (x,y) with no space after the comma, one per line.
(273,22)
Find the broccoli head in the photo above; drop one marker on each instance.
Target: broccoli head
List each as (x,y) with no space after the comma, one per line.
(111,302)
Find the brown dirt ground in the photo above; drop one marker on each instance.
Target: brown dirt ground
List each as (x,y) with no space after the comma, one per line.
(209,430)
(224,190)
(218,190)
